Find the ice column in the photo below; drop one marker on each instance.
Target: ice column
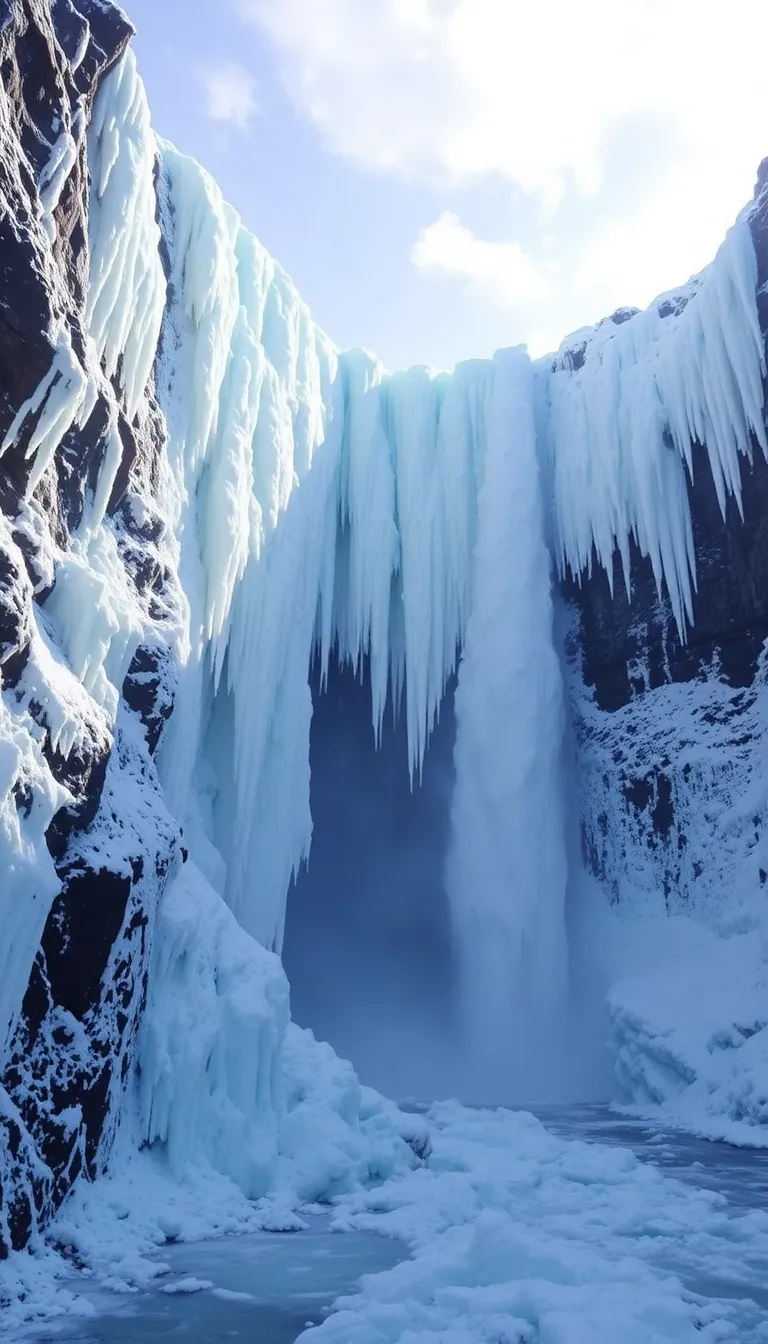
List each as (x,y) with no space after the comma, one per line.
(507,868)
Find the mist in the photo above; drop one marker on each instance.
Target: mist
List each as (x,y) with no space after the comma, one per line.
(368,940)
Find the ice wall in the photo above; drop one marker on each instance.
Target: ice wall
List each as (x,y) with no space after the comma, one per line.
(316,503)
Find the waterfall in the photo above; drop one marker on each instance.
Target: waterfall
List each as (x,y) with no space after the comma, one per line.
(506,865)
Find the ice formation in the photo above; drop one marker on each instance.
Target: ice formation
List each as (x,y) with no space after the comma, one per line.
(622,424)
(210,1084)
(314,505)
(507,868)
(313,501)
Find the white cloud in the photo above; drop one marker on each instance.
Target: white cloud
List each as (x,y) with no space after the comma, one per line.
(461,92)
(230,94)
(524,89)
(501,271)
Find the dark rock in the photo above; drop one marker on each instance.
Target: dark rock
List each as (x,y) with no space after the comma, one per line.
(114,846)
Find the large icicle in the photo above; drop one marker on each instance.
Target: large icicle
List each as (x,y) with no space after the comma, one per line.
(507,868)
(126,296)
(622,424)
(253,398)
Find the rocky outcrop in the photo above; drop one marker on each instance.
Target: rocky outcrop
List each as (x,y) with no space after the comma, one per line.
(113,843)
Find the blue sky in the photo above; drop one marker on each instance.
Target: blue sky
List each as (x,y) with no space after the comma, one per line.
(444,177)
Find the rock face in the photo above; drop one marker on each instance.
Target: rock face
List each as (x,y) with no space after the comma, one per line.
(112,843)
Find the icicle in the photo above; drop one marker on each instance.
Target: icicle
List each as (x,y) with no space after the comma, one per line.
(56,401)
(368,511)
(126,296)
(623,423)
(318,502)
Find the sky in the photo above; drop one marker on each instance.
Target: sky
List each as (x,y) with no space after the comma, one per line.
(442,178)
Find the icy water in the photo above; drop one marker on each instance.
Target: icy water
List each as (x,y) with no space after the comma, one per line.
(266,1288)
(740,1175)
(263,1288)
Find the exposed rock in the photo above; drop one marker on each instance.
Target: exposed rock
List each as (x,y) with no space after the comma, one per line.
(114,845)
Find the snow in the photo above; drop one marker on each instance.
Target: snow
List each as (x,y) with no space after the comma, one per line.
(690,1030)
(188,1285)
(514,1234)
(518,1236)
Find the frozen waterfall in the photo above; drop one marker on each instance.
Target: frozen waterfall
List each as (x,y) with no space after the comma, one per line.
(507,868)
(316,506)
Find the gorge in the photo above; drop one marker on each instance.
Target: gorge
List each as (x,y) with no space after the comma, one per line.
(512,617)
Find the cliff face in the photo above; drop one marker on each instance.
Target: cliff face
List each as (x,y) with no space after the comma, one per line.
(111,843)
(730,618)
(669,733)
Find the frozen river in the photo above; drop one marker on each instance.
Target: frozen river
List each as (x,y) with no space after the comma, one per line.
(266,1288)
(262,1287)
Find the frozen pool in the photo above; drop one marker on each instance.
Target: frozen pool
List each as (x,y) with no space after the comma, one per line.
(263,1287)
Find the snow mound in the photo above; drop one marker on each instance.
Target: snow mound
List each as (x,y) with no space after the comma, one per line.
(691,1036)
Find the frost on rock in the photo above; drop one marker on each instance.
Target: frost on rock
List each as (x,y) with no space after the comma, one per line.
(690,1032)
(29,798)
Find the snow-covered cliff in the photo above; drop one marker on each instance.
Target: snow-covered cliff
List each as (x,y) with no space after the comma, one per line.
(200,494)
